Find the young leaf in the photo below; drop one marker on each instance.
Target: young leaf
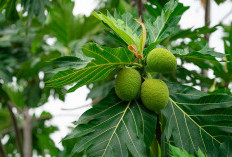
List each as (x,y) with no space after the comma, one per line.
(142,40)
(113,127)
(177,152)
(125,26)
(105,60)
(197,120)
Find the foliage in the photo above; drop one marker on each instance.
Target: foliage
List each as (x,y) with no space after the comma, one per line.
(105,60)
(25,54)
(103,128)
(200,115)
(177,152)
(86,52)
(185,104)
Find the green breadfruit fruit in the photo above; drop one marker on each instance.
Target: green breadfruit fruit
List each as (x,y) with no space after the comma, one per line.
(161,60)
(127,84)
(154,94)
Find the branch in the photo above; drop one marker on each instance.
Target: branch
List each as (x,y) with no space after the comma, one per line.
(8,130)
(16,128)
(95,101)
(207,17)
(42,118)
(2,149)
(27,134)
(207,21)
(139,4)
(76,108)
(226,16)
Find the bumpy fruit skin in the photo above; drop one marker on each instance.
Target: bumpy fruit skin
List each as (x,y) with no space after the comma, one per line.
(127,84)
(161,60)
(154,94)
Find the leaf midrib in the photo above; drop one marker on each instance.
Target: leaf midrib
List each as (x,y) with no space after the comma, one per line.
(60,78)
(116,128)
(194,121)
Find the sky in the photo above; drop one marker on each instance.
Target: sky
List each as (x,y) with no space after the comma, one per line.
(65,113)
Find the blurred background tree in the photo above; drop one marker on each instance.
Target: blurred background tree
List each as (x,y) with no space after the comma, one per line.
(34,33)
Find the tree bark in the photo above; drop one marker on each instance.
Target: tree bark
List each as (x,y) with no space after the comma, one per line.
(16,128)
(8,130)
(139,4)
(2,149)
(207,21)
(207,17)
(27,134)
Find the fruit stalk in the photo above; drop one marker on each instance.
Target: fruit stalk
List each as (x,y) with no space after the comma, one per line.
(158,130)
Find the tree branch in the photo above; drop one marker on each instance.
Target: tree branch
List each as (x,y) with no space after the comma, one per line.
(95,101)
(16,128)
(139,4)
(207,17)
(226,16)
(207,21)
(27,134)
(8,130)
(2,149)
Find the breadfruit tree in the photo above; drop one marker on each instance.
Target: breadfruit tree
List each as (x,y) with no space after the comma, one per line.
(145,109)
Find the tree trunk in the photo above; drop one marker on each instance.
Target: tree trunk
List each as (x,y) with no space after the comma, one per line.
(27,134)
(16,128)
(2,150)
(207,17)
(139,4)
(207,21)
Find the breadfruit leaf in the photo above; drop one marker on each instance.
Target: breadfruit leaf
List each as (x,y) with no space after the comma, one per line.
(226,148)
(105,60)
(113,127)
(175,151)
(196,120)
(36,8)
(143,37)
(123,25)
(66,62)
(205,53)
(162,27)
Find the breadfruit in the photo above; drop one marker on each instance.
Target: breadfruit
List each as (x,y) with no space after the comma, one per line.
(154,94)
(161,60)
(127,84)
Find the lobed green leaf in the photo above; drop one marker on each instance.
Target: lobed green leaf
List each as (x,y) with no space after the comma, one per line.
(196,120)
(123,25)
(162,27)
(113,127)
(105,60)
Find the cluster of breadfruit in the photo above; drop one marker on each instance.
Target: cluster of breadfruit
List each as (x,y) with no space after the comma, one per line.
(154,93)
